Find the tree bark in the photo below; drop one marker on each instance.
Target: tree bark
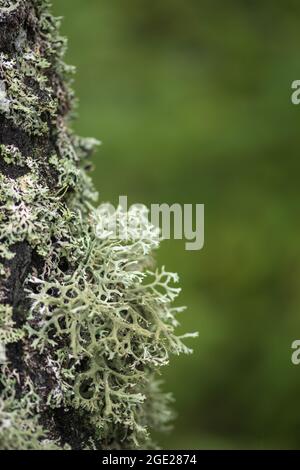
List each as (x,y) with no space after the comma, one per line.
(34,104)
(81,335)
(20,35)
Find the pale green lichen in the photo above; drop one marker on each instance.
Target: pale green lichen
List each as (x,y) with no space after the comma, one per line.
(19,427)
(96,315)
(11,155)
(26,108)
(8,332)
(31,212)
(8,5)
(119,323)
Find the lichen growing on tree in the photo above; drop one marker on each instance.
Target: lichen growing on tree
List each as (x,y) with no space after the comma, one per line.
(85,325)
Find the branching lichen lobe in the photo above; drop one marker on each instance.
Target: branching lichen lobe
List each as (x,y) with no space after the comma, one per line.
(84,324)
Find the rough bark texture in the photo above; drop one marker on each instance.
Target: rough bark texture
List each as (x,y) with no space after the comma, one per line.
(82,333)
(22,32)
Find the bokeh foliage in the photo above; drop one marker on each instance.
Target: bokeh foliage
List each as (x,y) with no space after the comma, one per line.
(192,102)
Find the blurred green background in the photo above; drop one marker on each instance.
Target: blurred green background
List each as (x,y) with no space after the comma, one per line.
(192,102)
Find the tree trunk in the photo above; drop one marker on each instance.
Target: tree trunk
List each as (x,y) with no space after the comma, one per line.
(81,336)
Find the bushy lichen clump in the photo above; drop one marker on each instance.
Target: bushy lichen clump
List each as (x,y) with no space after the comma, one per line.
(84,324)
